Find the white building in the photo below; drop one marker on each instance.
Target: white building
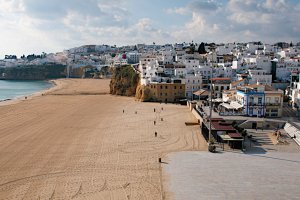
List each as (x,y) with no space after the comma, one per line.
(259,77)
(133,57)
(193,83)
(264,62)
(167,56)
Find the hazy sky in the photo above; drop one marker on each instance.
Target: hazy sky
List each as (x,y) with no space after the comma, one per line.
(34,26)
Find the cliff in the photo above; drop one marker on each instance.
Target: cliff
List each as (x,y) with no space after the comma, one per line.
(144,94)
(33,72)
(124,81)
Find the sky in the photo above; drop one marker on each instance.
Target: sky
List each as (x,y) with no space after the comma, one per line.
(36,26)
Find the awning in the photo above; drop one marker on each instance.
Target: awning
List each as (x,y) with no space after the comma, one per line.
(218,100)
(236,105)
(201,92)
(232,105)
(227,106)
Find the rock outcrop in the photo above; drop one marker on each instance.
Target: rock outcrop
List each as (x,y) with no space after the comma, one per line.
(143,93)
(124,81)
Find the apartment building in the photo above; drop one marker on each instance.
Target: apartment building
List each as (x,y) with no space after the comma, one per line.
(254,101)
(167,92)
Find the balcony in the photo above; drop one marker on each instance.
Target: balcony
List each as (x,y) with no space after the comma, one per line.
(272,104)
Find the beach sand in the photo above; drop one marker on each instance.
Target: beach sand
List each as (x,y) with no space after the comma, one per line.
(75,142)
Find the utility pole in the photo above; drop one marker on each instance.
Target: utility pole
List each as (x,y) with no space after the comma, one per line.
(211,148)
(210,115)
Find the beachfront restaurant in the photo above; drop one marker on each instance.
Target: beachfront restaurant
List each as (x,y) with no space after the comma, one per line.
(223,133)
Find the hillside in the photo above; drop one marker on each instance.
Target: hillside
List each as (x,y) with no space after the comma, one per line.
(33,72)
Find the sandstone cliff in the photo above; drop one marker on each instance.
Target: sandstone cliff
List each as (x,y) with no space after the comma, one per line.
(144,94)
(124,81)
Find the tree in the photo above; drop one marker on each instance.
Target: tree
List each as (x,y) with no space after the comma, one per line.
(201,49)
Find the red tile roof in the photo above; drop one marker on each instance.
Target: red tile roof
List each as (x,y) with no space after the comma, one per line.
(235,135)
(219,126)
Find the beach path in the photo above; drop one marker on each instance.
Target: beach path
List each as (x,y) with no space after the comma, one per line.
(75,142)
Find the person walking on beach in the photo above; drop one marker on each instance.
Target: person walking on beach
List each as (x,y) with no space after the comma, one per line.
(123,110)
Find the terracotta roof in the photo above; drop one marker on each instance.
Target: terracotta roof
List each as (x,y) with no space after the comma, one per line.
(216,125)
(216,119)
(201,92)
(269,88)
(237,82)
(235,135)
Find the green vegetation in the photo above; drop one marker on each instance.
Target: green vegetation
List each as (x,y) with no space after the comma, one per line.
(124,81)
(33,72)
(201,48)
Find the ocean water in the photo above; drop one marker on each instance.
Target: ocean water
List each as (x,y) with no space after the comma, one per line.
(15,89)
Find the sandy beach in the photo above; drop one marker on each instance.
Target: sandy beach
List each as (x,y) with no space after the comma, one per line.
(75,142)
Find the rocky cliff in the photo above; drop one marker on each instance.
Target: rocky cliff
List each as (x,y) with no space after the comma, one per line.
(124,81)
(33,72)
(144,94)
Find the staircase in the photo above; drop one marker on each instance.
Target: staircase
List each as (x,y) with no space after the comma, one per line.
(293,132)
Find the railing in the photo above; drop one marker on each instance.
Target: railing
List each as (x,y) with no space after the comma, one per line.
(231,114)
(272,104)
(264,104)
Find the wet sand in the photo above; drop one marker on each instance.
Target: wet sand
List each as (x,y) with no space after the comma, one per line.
(75,142)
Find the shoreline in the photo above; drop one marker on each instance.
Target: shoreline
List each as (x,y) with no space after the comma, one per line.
(55,85)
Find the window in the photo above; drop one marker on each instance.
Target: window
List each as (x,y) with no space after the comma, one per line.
(180,87)
(175,87)
(166,87)
(251,100)
(160,94)
(251,111)
(268,99)
(166,94)
(259,100)
(276,99)
(161,87)
(193,81)
(274,114)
